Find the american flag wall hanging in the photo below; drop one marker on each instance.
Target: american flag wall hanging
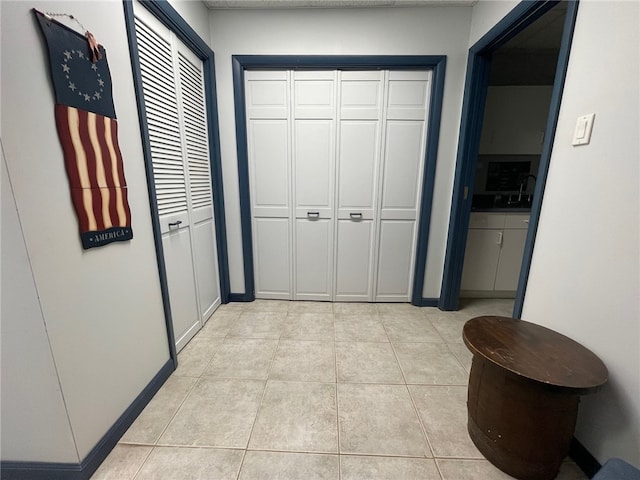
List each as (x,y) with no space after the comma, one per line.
(88,132)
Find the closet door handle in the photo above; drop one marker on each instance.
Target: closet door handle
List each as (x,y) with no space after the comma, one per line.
(313,214)
(175,224)
(356,216)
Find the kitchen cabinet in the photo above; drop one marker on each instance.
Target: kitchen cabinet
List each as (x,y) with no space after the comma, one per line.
(495,245)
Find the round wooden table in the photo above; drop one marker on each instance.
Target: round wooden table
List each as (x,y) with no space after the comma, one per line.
(524,388)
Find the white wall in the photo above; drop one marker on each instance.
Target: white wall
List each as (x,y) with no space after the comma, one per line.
(410,31)
(102,308)
(196,14)
(486,13)
(584,279)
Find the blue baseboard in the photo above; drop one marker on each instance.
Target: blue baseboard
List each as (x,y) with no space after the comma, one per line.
(583,458)
(83,471)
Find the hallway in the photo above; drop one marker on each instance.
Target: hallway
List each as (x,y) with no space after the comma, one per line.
(276,389)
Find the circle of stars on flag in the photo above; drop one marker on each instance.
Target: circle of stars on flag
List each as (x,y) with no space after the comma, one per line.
(77,55)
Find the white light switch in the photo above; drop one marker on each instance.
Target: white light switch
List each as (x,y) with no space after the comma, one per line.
(584,125)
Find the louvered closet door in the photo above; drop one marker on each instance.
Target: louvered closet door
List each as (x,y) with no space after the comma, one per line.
(357,183)
(196,142)
(405,136)
(173,97)
(314,110)
(269,146)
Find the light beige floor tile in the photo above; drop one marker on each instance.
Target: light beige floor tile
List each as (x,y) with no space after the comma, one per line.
(355,308)
(172,463)
(304,361)
(490,306)
(258,325)
(297,416)
(277,306)
(398,308)
(430,364)
(122,463)
(150,424)
(311,307)
(359,328)
(443,411)
(289,466)
(463,354)
(195,357)
(309,326)
(449,325)
(367,363)
(470,470)
(242,358)
(217,413)
(232,307)
(410,329)
(387,468)
(219,324)
(379,419)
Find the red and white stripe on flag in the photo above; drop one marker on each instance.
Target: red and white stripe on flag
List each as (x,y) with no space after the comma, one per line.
(94,166)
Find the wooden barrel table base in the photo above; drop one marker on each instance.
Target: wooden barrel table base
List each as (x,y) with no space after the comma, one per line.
(524,389)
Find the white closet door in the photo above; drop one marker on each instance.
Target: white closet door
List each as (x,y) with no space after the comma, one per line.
(314,110)
(165,137)
(359,141)
(268,138)
(196,136)
(407,107)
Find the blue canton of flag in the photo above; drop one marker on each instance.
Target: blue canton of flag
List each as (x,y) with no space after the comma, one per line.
(78,82)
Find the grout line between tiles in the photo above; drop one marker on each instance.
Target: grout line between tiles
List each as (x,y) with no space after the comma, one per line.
(146,458)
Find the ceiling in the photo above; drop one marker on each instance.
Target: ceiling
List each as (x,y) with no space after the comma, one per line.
(274,4)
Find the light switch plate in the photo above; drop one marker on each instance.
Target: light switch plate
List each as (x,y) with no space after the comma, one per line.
(584,126)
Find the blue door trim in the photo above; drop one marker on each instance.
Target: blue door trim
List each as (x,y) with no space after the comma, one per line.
(172,20)
(478,64)
(436,63)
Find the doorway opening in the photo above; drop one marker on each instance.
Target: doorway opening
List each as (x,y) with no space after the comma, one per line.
(515,77)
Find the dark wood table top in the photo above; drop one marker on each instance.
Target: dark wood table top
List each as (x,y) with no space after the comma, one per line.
(535,352)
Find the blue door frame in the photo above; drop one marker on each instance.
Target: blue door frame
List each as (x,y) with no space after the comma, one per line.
(435,63)
(478,63)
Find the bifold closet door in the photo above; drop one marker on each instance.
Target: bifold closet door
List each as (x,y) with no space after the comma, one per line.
(314,111)
(173,89)
(404,151)
(361,97)
(269,149)
(336,163)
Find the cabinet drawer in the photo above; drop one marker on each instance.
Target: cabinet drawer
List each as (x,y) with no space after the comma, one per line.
(516,221)
(486,220)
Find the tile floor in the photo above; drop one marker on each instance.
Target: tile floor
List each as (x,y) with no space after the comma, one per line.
(306,390)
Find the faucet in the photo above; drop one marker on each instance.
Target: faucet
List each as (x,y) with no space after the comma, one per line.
(523,186)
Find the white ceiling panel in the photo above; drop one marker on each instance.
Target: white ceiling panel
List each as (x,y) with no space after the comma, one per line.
(273,4)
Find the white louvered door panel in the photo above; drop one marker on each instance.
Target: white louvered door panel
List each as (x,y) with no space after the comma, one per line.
(173,98)
(196,139)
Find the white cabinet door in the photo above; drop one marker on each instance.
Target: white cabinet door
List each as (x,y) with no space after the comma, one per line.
(508,271)
(407,107)
(268,137)
(481,259)
(357,183)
